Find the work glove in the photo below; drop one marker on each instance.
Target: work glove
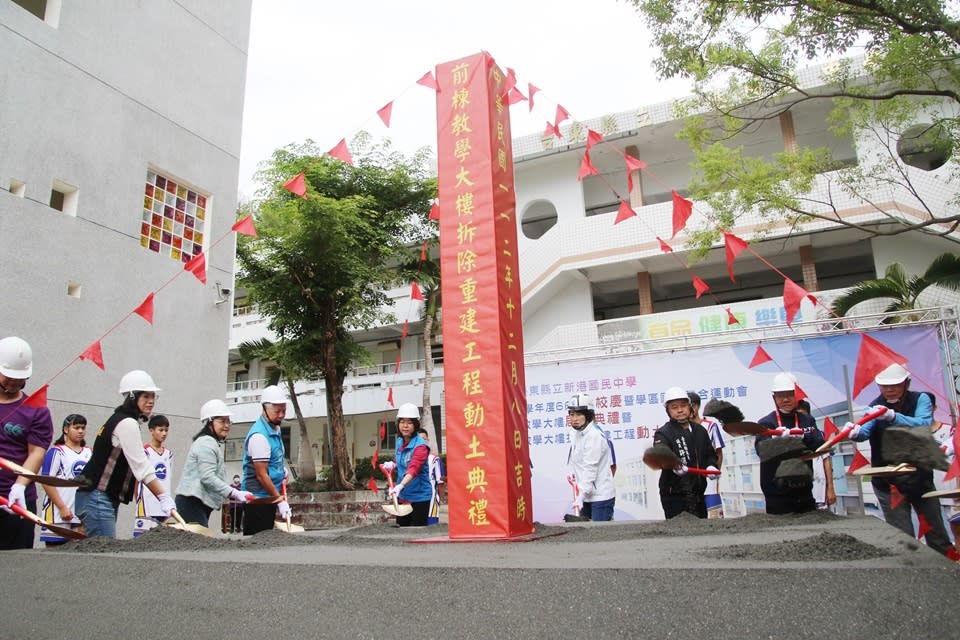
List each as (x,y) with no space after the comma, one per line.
(888,414)
(284,510)
(241,496)
(578,504)
(167,506)
(784,433)
(681,470)
(388,467)
(855,433)
(713,468)
(16,496)
(394,491)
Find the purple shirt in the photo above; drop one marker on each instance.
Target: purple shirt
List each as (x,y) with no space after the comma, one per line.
(21,425)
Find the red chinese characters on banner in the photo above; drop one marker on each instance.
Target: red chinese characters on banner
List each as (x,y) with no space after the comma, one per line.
(488,457)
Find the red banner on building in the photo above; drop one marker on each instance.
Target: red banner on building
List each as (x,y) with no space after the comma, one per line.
(488,459)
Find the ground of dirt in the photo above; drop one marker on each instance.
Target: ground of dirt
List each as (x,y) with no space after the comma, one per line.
(780,448)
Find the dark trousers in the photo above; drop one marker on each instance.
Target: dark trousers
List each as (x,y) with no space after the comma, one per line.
(901,518)
(780,504)
(674,505)
(417,517)
(16,532)
(258,517)
(192,509)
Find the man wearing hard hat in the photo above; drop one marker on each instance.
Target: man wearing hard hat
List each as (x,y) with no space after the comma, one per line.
(24,438)
(264,468)
(795,494)
(909,409)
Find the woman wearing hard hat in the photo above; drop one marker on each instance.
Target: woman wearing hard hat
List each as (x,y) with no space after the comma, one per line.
(119,461)
(413,469)
(203,486)
(24,439)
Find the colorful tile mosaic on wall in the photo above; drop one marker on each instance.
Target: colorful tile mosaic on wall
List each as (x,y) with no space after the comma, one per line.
(173,216)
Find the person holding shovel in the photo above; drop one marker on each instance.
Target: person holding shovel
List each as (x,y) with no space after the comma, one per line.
(24,438)
(413,468)
(264,470)
(681,491)
(590,460)
(65,459)
(712,495)
(203,486)
(913,409)
(788,489)
(118,461)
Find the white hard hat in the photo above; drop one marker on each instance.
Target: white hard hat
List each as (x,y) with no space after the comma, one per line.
(675,393)
(580,402)
(214,409)
(16,358)
(137,380)
(894,374)
(784,382)
(273,395)
(408,410)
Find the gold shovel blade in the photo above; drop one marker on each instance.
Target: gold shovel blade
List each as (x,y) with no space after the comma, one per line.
(397,510)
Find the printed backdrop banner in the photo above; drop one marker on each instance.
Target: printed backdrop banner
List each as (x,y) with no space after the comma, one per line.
(628,391)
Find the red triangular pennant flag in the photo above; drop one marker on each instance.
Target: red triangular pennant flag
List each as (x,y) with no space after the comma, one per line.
(593,138)
(759,357)
(372,484)
(383,429)
(341,152)
(731,319)
(953,471)
(664,247)
(145,310)
(434,211)
(297,185)
(829,429)
(872,358)
(94,354)
(415,293)
(895,497)
(197,265)
(244,226)
(514,96)
(531,90)
(37,399)
(562,114)
(396,365)
(384,112)
(798,393)
(390,396)
(406,329)
(859,461)
(682,208)
(552,130)
(423,251)
(700,286)
(586,167)
(632,165)
(793,295)
(923,527)
(624,212)
(510,81)
(428,81)
(733,246)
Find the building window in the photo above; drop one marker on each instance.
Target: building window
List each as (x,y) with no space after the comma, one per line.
(63,197)
(173,218)
(540,217)
(18,188)
(46,10)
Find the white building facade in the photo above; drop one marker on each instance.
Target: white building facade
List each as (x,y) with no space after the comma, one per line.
(120,125)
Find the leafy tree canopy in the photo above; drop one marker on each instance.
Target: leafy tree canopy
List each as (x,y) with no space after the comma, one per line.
(896,80)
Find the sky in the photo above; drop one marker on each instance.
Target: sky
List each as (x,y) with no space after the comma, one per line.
(320,71)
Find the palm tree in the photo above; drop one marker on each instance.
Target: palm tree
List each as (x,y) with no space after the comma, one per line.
(903,291)
(263,349)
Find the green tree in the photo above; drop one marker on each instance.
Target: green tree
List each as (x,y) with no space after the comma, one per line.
(902,290)
(743,56)
(279,353)
(320,265)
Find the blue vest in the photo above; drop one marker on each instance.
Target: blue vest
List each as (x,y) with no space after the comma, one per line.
(418,489)
(276,465)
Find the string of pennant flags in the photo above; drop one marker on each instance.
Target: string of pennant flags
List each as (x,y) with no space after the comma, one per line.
(873,355)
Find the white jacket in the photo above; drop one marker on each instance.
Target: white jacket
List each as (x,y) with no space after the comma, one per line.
(589,460)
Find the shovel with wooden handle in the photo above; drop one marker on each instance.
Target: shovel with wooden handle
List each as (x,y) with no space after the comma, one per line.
(395,509)
(182,525)
(50,481)
(66,532)
(575,516)
(842,435)
(286,525)
(659,457)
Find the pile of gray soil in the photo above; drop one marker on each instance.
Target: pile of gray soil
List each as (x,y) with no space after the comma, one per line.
(913,446)
(822,547)
(780,448)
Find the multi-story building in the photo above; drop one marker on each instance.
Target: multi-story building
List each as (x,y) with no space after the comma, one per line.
(120,125)
(593,289)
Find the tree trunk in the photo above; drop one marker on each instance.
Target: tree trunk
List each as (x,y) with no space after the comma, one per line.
(341,474)
(306,465)
(426,412)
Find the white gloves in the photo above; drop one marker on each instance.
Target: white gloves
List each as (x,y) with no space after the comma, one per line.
(713,468)
(16,496)
(578,503)
(888,414)
(241,496)
(284,510)
(388,466)
(395,490)
(854,431)
(681,470)
(785,433)
(167,506)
